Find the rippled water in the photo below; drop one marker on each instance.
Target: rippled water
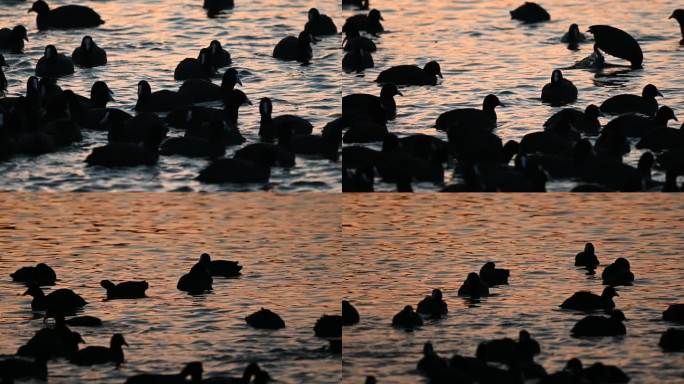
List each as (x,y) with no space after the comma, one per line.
(481,51)
(287,245)
(145,40)
(396,250)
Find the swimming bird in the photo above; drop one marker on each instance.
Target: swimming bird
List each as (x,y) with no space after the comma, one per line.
(159,101)
(362,4)
(230,170)
(407,319)
(271,127)
(63,300)
(270,154)
(587,258)
(369,23)
(198,280)
(675,312)
(672,340)
(89,55)
(265,319)
(618,43)
(433,306)
(586,121)
(195,145)
(83,321)
(102,355)
(218,57)
(638,125)
(573,37)
(125,290)
(353,39)
(618,273)
(362,106)
(65,17)
(251,374)
(350,315)
(23,368)
(411,74)
(602,373)
(484,118)
(194,370)
(587,301)
(215,6)
(100,95)
(473,287)
(627,103)
(600,325)
(293,48)
(662,138)
(55,341)
(129,154)
(13,39)
(507,350)
(678,15)
(201,90)
(595,61)
(42,274)
(492,276)
(222,268)
(191,68)
(54,64)
(328,326)
(559,91)
(357,60)
(431,364)
(530,13)
(320,24)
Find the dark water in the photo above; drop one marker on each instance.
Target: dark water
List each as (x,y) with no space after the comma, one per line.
(396,250)
(481,51)
(146,40)
(288,246)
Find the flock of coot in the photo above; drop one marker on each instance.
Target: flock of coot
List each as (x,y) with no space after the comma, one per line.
(512,361)
(58,341)
(562,150)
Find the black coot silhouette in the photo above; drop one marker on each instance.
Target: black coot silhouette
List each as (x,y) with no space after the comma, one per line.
(22,368)
(638,125)
(102,355)
(251,374)
(559,91)
(362,4)
(65,17)
(215,6)
(13,39)
(191,68)
(357,60)
(294,48)
(672,340)
(320,24)
(602,373)
(530,13)
(84,321)
(201,90)
(235,171)
(573,37)
(222,268)
(587,258)
(271,127)
(272,155)
(54,64)
(159,101)
(218,56)
(125,290)
(507,350)
(587,301)
(353,39)
(627,103)
(129,154)
(193,144)
(662,138)
(137,129)
(42,274)
(89,55)
(369,23)
(407,319)
(100,95)
(484,118)
(473,287)
(586,121)
(618,43)
(675,312)
(194,370)
(265,319)
(362,106)
(55,341)
(618,273)
(601,325)
(63,300)
(431,364)
(350,315)
(328,326)
(492,276)
(198,280)
(678,15)
(411,74)
(433,306)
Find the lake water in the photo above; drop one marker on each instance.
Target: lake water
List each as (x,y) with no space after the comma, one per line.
(289,247)
(397,249)
(481,51)
(146,40)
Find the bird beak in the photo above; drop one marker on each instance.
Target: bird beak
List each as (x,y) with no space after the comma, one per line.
(675,118)
(616,294)
(659,94)
(26,38)
(30,10)
(399,93)
(502,105)
(440,75)
(25,293)
(111,96)
(382,18)
(671,16)
(239,82)
(125,343)
(248,102)
(344,41)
